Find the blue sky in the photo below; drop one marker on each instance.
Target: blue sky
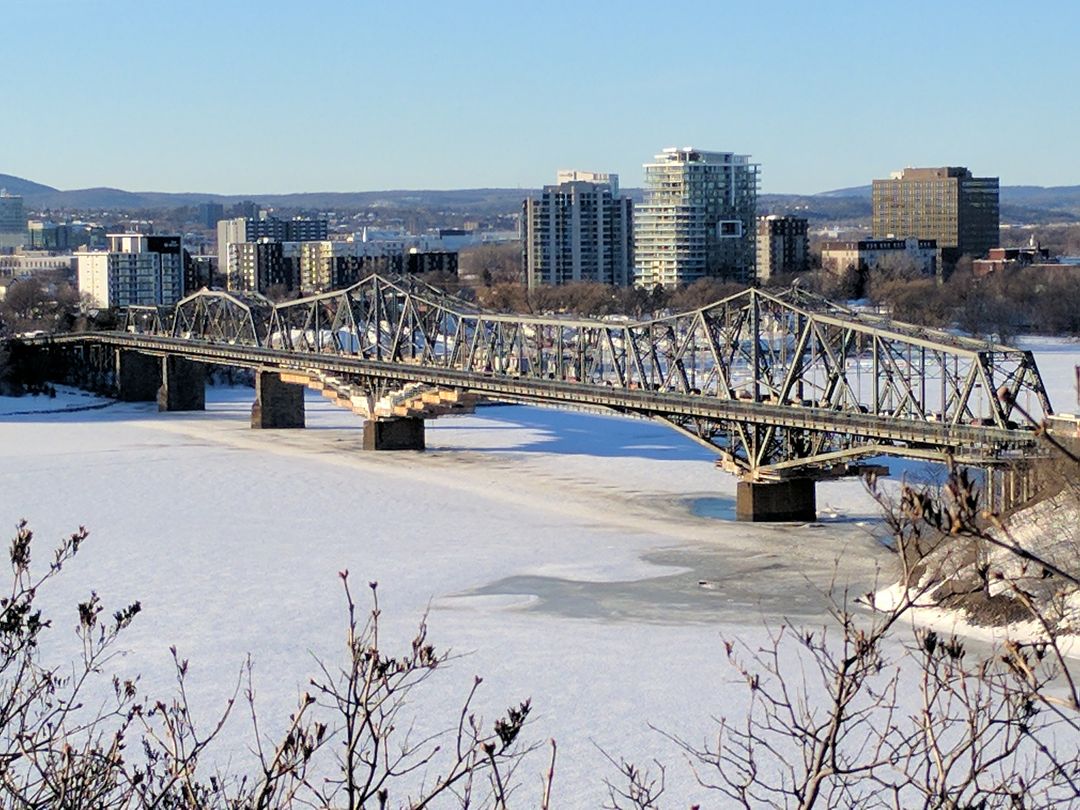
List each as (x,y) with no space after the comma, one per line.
(231,96)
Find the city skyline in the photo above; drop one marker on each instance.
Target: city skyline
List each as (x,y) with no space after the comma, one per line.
(259,98)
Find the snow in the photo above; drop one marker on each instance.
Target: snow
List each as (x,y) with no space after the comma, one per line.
(568,558)
(66,399)
(1057,359)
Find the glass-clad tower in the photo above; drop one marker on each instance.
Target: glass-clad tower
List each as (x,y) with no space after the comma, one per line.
(698,218)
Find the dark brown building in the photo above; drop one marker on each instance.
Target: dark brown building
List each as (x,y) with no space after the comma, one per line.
(434,261)
(947,204)
(783,246)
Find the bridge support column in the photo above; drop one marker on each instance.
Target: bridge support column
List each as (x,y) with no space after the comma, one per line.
(277,404)
(776,501)
(138,376)
(402,433)
(183,385)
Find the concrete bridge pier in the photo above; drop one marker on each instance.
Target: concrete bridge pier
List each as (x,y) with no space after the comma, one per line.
(138,376)
(793,500)
(277,404)
(183,385)
(397,433)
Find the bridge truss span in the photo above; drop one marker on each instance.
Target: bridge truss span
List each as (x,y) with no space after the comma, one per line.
(779,384)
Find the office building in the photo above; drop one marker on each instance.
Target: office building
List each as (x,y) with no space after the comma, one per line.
(578,230)
(783,246)
(210,213)
(867,255)
(137,269)
(947,204)
(13,231)
(698,219)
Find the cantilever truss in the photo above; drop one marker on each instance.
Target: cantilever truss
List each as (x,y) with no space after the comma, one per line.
(152,320)
(847,384)
(222,317)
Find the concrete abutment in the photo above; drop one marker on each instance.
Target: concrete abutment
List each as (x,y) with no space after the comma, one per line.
(776,501)
(403,433)
(278,405)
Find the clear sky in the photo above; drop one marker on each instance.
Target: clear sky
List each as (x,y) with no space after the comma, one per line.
(232,96)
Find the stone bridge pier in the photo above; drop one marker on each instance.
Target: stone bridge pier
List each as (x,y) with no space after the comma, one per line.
(792,500)
(278,404)
(183,385)
(175,383)
(138,376)
(395,433)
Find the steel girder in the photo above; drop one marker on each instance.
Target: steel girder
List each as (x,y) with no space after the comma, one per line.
(794,350)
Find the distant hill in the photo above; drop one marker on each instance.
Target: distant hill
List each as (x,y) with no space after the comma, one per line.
(1019,204)
(20,187)
(853,191)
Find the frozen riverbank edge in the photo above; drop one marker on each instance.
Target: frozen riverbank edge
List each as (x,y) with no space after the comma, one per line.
(953,599)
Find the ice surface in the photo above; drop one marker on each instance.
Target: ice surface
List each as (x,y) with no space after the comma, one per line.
(562,554)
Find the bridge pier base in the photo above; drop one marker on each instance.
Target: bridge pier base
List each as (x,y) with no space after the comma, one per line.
(138,376)
(776,501)
(183,385)
(277,404)
(402,433)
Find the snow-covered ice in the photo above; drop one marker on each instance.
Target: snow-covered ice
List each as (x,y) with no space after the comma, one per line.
(570,558)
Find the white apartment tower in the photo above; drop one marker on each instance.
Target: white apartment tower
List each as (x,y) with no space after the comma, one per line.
(698,218)
(136,270)
(578,230)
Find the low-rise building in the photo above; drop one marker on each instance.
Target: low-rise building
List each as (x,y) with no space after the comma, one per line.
(27,263)
(60,236)
(919,255)
(1003,260)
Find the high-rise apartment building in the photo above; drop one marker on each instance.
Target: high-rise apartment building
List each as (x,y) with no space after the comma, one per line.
(783,246)
(137,269)
(947,204)
(257,266)
(698,218)
(331,265)
(578,230)
(252,229)
(13,232)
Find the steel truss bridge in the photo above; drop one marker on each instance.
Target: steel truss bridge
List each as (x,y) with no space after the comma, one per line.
(781,385)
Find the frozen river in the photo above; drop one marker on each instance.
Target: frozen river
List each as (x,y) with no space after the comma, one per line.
(579,560)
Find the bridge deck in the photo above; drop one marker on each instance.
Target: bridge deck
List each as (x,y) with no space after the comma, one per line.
(901,437)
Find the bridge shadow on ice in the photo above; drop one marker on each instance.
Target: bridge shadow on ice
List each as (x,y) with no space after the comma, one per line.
(569,433)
